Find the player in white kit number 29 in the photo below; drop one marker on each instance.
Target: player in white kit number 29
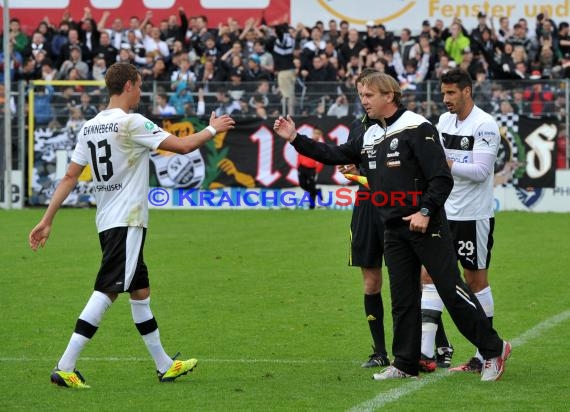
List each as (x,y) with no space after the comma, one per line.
(471,141)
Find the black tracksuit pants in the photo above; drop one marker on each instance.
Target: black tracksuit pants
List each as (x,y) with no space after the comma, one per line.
(404,252)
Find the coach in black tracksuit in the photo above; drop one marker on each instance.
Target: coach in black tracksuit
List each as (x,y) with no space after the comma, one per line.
(403,154)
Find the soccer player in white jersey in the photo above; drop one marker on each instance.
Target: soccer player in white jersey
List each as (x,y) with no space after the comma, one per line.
(116,145)
(471,141)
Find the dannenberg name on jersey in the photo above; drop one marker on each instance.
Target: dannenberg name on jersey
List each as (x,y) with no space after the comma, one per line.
(101,128)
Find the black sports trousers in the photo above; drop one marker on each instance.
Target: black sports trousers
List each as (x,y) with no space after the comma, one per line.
(404,253)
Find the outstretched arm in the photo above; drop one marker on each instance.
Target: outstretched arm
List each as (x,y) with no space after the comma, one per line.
(190,143)
(40,234)
(346,153)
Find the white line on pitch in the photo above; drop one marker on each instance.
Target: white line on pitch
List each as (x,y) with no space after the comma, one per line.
(136,359)
(397,393)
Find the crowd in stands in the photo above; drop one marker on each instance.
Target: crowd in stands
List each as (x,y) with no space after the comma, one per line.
(263,69)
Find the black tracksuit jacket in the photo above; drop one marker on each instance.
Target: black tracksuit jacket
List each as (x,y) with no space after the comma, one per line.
(405,157)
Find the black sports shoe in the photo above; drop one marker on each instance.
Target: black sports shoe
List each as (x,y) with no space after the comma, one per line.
(443,356)
(376,360)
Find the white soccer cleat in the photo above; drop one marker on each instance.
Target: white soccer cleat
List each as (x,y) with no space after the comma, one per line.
(493,368)
(391,372)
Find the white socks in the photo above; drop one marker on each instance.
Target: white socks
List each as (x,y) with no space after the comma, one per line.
(146,324)
(85,328)
(485,298)
(432,306)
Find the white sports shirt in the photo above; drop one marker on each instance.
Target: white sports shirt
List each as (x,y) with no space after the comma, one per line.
(116,145)
(477,134)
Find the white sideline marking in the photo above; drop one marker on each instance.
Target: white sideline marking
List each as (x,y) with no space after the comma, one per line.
(135,359)
(397,393)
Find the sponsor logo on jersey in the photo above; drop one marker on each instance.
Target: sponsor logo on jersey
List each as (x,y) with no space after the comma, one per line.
(108,188)
(457,157)
(393,154)
(394,144)
(393,163)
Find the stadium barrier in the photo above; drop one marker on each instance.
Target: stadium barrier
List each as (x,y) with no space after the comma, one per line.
(249,156)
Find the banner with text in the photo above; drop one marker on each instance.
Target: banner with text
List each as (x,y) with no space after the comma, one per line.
(397,14)
(252,157)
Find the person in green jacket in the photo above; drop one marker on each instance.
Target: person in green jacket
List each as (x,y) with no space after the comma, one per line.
(456,43)
(17,37)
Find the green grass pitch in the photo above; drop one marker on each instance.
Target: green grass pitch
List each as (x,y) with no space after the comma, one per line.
(266,302)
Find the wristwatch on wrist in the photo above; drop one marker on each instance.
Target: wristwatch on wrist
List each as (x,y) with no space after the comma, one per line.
(424,211)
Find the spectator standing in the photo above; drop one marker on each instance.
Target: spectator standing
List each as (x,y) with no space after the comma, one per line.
(135,47)
(18,38)
(76,63)
(88,110)
(153,44)
(406,46)
(59,39)
(35,46)
(73,42)
(162,106)
(282,46)
(351,47)
(456,43)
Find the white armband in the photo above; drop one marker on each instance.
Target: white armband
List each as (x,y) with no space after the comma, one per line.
(212,130)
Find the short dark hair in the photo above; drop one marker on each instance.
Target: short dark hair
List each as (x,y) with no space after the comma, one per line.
(118,75)
(458,76)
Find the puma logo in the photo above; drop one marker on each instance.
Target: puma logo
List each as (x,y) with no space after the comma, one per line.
(430,138)
(487,141)
(434,235)
(470,260)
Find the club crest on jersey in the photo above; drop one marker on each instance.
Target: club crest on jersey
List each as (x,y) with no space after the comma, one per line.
(464,143)
(394,144)
(149,126)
